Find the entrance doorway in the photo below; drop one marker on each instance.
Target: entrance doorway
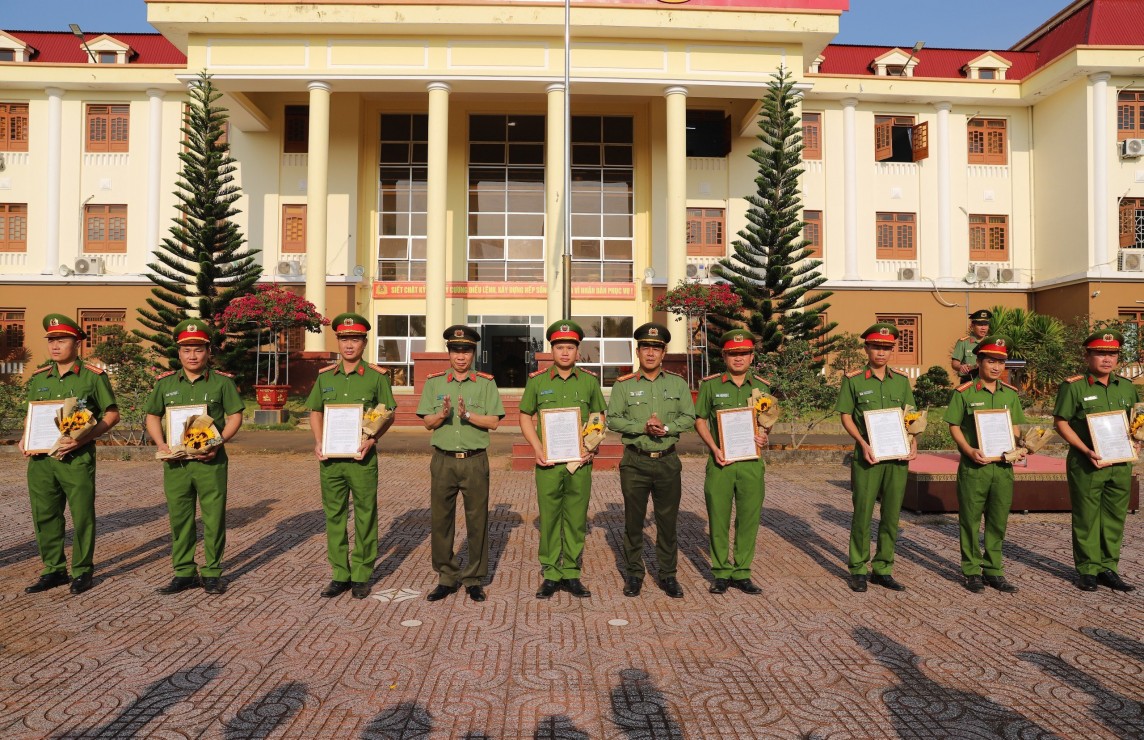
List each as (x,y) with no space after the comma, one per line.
(508,347)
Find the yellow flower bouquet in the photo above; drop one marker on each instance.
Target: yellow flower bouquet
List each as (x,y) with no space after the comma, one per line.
(199,435)
(591,435)
(374,419)
(916,421)
(766,409)
(72,420)
(1029,441)
(1136,423)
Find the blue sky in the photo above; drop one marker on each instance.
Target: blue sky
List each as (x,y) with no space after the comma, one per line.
(956,23)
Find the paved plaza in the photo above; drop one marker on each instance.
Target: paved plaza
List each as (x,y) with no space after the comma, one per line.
(807,659)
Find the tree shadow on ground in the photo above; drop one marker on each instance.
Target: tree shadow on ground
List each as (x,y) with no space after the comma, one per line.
(1120,643)
(405,721)
(640,710)
(558,727)
(404,534)
(922,708)
(1123,717)
(263,716)
(104,525)
(153,703)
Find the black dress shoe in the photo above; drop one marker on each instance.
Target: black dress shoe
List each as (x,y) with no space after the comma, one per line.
(336,588)
(177,584)
(999,583)
(475,592)
(746,586)
(1086,582)
(547,588)
(857,582)
(577,589)
(632,586)
(360,590)
(214,585)
(886,581)
(80,584)
(974,584)
(441,592)
(671,587)
(1113,580)
(51,580)
(720,586)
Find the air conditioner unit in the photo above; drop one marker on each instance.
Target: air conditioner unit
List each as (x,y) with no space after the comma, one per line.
(88,266)
(982,273)
(696,272)
(907,273)
(1132,260)
(1006,274)
(1132,148)
(289,267)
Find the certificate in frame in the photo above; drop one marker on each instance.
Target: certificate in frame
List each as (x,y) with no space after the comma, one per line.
(40,430)
(341,430)
(886,432)
(1110,437)
(561,431)
(994,433)
(175,421)
(737,434)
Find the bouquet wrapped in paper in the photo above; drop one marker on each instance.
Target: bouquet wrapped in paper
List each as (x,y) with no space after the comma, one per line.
(1136,423)
(916,421)
(591,435)
(1029,441)
(199,435)
(374,419)
(766,409)
(72,420)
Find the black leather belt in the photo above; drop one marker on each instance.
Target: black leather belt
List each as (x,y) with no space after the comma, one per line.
(653,455)
(459,454)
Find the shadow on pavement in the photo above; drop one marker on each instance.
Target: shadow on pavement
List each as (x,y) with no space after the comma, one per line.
(402,537)
(502,520)
(1120,643)
(103,525)
(1124,717)
(262,717)
(288,534)
(406,720)
(558,727)
(799,533)
(694,542)
(611,520)
(908,549)
(640,710)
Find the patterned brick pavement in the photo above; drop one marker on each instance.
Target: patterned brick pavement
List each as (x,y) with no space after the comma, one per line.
(807,659)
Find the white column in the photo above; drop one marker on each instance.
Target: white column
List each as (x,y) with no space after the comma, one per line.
(436,308)
(1100,153)
(944,188)
(554,232)
(317,193)
(850,189)
(55,160)
(676,220)
(154,164)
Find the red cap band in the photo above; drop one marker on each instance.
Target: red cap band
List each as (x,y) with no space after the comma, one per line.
(198,334)
(739,343)
(877,338)
(350,329)
(993,349)
(1105,342)
(564,336)
(62,330)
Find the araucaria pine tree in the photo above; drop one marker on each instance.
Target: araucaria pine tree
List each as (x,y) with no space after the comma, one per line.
(771,267)
(203,264)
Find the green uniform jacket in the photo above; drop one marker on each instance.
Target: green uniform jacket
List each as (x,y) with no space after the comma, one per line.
(1082,395)
(214,388)
(718,392)
(86,383)
(367,385)
(635,398)
(861,391)
(973,396)
(545,389)
(963,351)
(481,398)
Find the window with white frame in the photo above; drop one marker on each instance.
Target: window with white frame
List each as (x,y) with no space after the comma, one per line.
(403,200)
(602,199)
(398,337)
(607,346)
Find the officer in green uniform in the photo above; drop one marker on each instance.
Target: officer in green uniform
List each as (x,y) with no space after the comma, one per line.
(964,361)
(1098,491)
(461,407)
(739,482)
(352,381)
(68,475)
(874,387)
(650,408)
(562,497)
(202,477)
(984,485)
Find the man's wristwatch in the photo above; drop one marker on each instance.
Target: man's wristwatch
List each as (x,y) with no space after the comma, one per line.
(465,416)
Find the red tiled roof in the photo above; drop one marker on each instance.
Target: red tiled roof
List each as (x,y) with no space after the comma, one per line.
(1095,23)
(854,59)
(64,48)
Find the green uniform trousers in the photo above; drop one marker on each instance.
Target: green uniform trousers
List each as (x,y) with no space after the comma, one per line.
(885,481)
(51,484)
(468,477)
(1099,507)
(343,481)
(983,490)
(562,498)
(184,483)
(740,483)
(641,476)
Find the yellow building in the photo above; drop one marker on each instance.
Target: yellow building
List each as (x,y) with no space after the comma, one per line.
(406,160)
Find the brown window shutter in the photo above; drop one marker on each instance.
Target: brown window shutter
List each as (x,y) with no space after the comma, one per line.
(921,141)
(1128,222)
(294,229)
(118,125)
(812,136)
(995,135)
(883,141)
(97,116)
(296,133)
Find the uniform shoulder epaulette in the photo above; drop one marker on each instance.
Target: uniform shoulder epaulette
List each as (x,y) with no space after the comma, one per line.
(586,370)
(852,373)
(167,374)
(1010,387)
(709,377)
(327,368)
(1073,379)
(541,371)
(43,369)
(486,376)
(963,339)
(225,375)
(761,379)
(94,368)
(964,386)
(379,368)
(672,372)
(629,376)
(436,375)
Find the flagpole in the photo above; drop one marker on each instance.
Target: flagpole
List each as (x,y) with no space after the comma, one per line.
(567,174)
